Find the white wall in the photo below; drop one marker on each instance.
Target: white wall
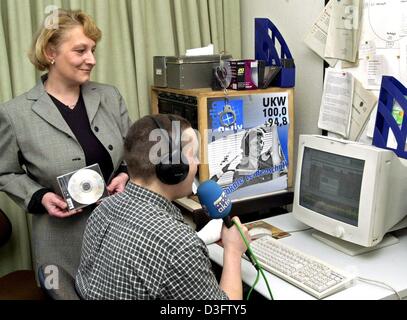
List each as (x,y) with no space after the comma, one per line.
(294,19)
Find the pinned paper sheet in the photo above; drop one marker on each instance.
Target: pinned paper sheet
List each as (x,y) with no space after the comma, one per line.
(336,103)
(317,37)
(204,51)
(344,30)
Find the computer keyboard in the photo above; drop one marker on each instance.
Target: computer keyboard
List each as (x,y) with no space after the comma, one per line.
(306,272)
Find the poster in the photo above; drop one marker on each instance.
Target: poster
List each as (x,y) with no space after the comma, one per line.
(248,143)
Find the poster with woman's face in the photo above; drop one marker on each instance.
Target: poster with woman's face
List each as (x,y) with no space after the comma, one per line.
(248,143)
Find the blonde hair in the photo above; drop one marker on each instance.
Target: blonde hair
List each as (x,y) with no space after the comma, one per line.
(67,19)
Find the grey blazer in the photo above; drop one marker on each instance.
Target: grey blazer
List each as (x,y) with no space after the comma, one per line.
(37,145)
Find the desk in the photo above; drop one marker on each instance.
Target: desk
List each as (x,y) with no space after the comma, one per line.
(388,265)
(248,209)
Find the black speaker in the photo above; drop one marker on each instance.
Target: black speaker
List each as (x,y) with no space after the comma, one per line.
(166,171)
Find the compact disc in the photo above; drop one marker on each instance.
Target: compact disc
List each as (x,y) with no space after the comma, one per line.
(86,186)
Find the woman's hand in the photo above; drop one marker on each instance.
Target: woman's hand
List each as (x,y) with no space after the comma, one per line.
(56,206)
(118,183)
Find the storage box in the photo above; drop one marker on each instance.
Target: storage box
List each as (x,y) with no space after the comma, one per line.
(246,74)
(185,72)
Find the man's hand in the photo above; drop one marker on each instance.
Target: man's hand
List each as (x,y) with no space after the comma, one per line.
(56,206)
(234,247)
(232,239)
(118,183)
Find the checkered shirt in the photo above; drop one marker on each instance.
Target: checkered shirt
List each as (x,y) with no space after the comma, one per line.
(137,246)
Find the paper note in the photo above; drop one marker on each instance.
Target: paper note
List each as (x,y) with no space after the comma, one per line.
(362,105)
(200,51)
(371,124)
(367,49)
(316,38)
(384,22)
(344,31)
(375,68)
(336,104)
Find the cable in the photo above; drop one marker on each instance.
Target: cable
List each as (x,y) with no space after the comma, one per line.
(380,283)
(254,261)
(361,278)
(260,269)
(254,284)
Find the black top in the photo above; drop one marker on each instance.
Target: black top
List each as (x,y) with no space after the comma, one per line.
(78,120)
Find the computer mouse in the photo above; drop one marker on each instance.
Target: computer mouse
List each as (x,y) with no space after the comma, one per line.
(258,232)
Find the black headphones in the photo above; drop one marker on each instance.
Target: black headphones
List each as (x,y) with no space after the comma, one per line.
(166,171)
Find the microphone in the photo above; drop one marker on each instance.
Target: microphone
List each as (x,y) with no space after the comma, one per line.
(218,205)
(215,201)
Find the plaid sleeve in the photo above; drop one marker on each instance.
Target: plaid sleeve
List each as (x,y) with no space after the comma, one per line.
(190,276)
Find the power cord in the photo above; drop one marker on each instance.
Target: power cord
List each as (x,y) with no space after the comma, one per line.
(256,263)
(260,269)
(253,286)
(369,281)
(379,283)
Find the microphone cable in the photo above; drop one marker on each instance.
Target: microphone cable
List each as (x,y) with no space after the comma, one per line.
(256,263)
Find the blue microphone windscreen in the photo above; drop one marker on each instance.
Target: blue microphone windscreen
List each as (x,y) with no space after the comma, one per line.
(214,199)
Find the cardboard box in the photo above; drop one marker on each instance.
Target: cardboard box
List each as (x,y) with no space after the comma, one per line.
(246,74)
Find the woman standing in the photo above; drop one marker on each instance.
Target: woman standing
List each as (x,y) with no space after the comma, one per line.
(62,124)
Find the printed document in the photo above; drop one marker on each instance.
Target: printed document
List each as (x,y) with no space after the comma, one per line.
(375,69)
(363,103)
(336,104)
(316,38)
(385,22)
(384,27)
(344,30)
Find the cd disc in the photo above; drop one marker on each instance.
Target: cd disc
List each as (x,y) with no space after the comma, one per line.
(86,186)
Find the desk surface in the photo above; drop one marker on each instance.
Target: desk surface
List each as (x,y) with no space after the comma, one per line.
(388,265)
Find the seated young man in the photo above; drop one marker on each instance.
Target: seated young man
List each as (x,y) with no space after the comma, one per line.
(136,244)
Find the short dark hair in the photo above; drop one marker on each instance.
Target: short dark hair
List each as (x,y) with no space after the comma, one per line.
(137,144)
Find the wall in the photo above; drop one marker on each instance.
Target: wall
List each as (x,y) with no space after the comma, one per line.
(294,19)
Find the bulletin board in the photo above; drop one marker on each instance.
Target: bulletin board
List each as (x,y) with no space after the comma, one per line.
(366,39)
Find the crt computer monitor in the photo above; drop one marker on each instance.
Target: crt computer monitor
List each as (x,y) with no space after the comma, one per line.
(349,191)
